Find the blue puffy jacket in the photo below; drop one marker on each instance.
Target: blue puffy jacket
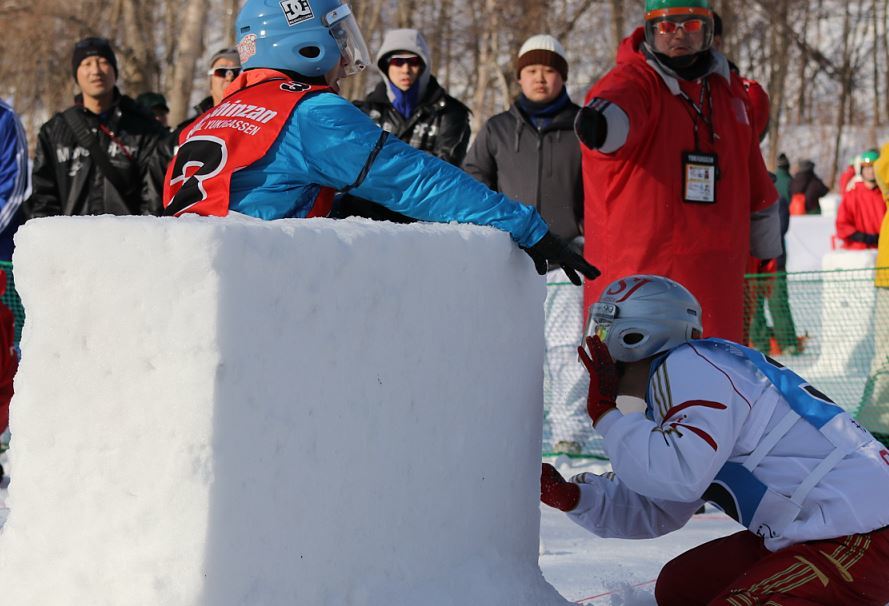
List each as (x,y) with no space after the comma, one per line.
(329,142)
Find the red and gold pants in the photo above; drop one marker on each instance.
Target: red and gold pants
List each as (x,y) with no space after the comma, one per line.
(738,570)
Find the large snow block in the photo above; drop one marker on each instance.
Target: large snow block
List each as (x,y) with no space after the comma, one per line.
(218,412)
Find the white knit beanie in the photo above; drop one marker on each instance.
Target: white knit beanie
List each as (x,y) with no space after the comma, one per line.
(543,49)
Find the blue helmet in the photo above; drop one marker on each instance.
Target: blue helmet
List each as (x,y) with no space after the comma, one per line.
(309,37)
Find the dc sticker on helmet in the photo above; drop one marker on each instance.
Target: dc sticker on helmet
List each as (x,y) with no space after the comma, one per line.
(296,11)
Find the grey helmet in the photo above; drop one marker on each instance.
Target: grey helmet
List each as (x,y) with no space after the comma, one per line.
(643,315)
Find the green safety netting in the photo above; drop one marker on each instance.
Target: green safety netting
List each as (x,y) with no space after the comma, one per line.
(831,327)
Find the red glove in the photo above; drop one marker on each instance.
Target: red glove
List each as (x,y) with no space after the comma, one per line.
(603,378)
(555,491)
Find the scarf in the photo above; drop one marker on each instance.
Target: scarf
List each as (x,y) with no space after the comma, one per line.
(405,102)
(541,114)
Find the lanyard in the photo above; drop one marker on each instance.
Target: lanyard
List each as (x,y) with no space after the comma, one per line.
(699,110)
(126,151)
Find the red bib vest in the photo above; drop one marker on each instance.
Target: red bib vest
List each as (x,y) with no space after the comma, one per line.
(231,136)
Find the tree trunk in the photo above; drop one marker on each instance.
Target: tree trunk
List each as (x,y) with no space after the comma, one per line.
(486,62)
(801,105)
(777,79)
(845,85)
(191,48)
(229,35)
(617,23)
(140,68)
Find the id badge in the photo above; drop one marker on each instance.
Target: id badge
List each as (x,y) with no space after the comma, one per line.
(699,175)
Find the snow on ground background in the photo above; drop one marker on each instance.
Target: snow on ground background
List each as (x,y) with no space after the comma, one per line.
(615,572)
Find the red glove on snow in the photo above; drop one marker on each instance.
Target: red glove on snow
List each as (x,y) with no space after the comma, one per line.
(555,491)
(603,378)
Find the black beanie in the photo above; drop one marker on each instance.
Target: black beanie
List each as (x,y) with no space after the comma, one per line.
(90,47)
(783,161)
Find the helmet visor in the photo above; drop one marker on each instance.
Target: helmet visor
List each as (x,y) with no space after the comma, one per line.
(344,29)
(599,320)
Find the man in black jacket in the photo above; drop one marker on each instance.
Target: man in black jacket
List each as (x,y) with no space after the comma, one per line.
(530,153)
(412,105)
(806,183)
(104,155)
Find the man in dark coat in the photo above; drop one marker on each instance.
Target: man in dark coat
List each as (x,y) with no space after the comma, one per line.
(413,106)
(127,178)
(530,153)
(810,185)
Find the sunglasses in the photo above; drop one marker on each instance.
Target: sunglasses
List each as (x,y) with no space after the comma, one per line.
(225,72)
(411,61)
(689,26)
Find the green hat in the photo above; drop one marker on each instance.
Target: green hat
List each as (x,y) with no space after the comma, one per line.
(655,9)
(868,157)
(152,101)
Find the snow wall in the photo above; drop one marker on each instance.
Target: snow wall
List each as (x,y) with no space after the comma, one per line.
(218,412)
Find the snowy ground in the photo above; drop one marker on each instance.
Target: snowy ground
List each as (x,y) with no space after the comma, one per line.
(584,568)
(615,572)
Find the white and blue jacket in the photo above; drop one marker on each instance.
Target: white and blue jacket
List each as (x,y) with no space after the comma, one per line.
(725,424)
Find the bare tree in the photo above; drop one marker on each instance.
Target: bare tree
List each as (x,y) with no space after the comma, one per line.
(188,51)
(779,45)
(141,64)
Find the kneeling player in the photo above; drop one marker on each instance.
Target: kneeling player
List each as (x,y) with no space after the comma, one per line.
(728,425)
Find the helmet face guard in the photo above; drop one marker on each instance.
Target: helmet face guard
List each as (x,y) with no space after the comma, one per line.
(641,316)
(344,29)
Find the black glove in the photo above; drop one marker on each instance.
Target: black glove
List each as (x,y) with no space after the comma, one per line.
(864,238)
(590,127)
(554,249)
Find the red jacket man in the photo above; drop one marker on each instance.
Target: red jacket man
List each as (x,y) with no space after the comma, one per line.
(672,167)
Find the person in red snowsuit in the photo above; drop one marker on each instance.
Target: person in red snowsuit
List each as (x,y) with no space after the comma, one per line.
(672,169)
(861,212)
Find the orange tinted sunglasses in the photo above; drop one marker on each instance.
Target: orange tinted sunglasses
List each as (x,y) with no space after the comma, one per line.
(689,26)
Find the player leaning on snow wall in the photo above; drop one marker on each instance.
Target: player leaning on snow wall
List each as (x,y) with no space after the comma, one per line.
(309,142)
